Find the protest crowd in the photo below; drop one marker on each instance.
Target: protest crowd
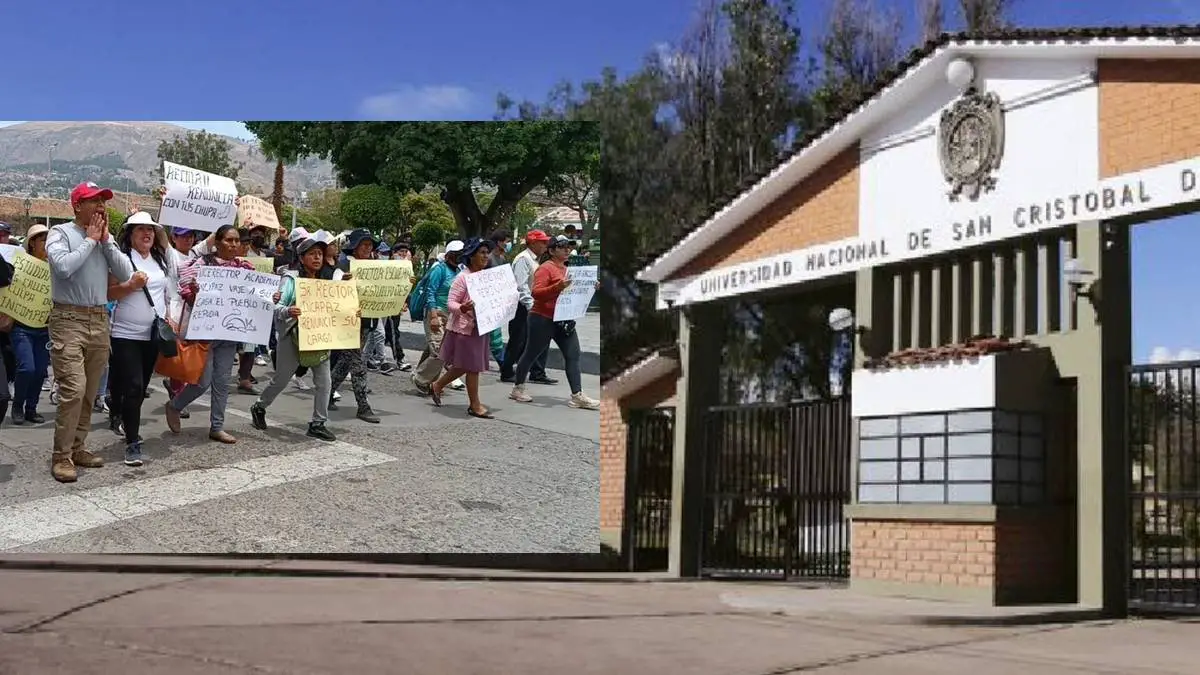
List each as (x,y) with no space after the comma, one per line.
(211,293)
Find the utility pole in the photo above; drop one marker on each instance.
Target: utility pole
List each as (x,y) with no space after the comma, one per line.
(49,173)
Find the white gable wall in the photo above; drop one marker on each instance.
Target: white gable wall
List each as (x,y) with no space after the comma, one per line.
(1051,148)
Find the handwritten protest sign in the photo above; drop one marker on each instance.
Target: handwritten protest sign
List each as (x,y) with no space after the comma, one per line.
(494,291)
(233,304)
(328,314)
(255,211)
(383,286)
(196,199)
(264,265)
(574,300)
(27,299)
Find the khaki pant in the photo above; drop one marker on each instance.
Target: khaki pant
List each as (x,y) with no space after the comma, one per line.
(79,349)
(429,368)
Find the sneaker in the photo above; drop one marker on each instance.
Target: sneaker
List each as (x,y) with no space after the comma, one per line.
(386,368)
(518,394)
(247,389)
(318,431)
(46,385)
(133,454)
(405,367)
(115,426)
(100,406)
(458,385)
(583,402)
(337,396)
(333,403)
(18,417)
(542,379)
(260,360)
(33,417)
(258,417)
(299,383)
(367,415)
(184,414)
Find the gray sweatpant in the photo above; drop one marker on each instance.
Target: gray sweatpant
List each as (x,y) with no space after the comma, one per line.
(287,359)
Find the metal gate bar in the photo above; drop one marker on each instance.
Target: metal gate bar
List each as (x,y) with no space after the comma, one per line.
(649,448)
(1164,459)
(776,479)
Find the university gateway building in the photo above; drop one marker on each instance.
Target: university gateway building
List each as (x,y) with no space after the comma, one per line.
(986,189)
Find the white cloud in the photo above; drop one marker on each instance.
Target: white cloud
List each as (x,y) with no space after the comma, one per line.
(1167,355)
(417,103)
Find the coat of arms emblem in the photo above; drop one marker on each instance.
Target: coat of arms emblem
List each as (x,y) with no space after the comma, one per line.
(971,143)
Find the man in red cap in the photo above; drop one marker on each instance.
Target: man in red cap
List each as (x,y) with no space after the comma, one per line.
(523,266)
(82,255)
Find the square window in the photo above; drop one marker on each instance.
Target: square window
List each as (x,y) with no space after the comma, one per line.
(877,472)
(877,494)
(970,445)
(922,494)
(935,471)
(923,424)
(878,426)
(910,448)
(910,471)
(933,447)
(970,493)
(980,420)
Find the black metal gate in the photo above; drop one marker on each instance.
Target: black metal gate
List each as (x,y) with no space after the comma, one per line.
(1164,458)
(777,477)
(646,530)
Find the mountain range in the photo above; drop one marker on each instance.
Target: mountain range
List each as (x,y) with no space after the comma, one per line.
(123,156)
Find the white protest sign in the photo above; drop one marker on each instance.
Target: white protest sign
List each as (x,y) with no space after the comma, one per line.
(197,200)
(573,302)
(7,251)
(494,291)
(233,304)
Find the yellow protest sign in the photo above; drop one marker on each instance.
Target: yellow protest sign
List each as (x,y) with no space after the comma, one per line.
(255,211)
(264,265)
(383,286)
(328,314)
(27,300)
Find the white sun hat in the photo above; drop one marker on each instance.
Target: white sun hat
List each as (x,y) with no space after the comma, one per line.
(141,218)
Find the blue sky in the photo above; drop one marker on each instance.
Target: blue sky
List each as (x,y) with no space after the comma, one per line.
(354,59)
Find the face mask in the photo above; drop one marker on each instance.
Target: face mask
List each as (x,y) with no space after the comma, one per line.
(508,247)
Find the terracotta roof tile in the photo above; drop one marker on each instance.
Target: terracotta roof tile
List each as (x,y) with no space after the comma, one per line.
(666,349)
(973,348)
(915,57)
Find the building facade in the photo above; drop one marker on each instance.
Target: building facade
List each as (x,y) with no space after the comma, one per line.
(976,209)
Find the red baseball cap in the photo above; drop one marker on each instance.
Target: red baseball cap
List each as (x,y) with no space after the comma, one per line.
(536,235)
(85,191)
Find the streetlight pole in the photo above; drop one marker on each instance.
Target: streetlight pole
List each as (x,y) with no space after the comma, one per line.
(49,173)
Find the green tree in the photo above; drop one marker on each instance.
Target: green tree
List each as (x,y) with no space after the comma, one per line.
(518,221)
(452,157)
(325,205)
(985,15)
(116,220)
(199,150)
(427,235)
(304,218)
(416,208)
(373,207)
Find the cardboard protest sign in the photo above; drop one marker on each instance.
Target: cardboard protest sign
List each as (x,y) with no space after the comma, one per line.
(264,265)
(494,291)
(574,300)
(383,286)
(254,211)
(233,304)
(196,199)
(27,299)
(328,314)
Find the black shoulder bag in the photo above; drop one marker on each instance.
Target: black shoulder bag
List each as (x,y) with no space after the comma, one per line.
(161,331)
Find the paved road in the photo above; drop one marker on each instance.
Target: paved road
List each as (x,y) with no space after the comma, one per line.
(90,623)
(412,337)
(424,480)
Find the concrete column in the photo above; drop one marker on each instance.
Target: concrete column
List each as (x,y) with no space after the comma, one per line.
(700,338)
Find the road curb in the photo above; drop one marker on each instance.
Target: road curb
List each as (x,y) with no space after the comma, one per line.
(292,567)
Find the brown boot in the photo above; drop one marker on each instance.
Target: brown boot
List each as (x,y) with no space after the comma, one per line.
(86,459)
(222,437)
(172,416)
(63,470)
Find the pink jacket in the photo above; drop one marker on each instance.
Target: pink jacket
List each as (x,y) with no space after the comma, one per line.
(463,324)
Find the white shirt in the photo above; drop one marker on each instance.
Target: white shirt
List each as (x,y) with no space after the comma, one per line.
(133,318)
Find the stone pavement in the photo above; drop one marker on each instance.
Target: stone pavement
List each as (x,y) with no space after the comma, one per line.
(412,337)
(96,623)
(424,480)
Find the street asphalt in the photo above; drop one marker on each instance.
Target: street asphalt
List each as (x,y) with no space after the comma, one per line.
(412,337)
(424,480)
(189,624)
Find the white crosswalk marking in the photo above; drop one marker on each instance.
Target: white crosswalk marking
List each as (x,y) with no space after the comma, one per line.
(43,519)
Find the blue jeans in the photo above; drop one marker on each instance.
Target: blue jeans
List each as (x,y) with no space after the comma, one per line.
(33,360)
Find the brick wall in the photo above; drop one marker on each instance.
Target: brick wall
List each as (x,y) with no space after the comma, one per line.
(1149,113)
(822,208)
(612,445)
(945,554)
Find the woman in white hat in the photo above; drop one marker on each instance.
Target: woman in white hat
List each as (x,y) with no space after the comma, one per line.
(29,349)
(141,300)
